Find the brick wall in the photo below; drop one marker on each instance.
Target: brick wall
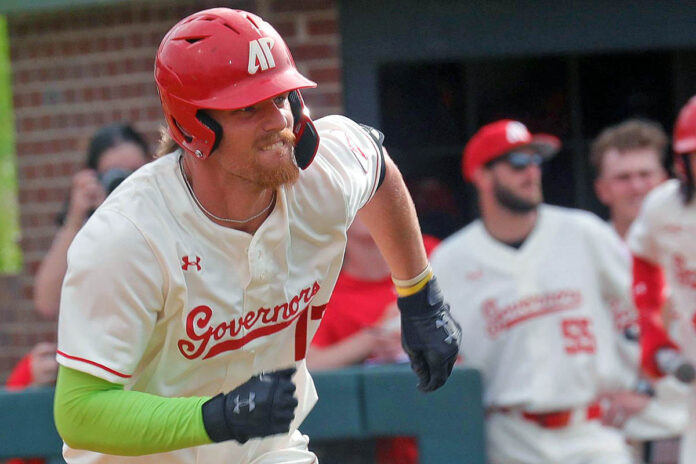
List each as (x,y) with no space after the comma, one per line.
(76,70)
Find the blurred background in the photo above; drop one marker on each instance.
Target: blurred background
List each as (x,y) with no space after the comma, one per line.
(427,74)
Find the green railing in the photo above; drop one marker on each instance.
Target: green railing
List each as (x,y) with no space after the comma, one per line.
(26,425)
(354,403)
(10,252)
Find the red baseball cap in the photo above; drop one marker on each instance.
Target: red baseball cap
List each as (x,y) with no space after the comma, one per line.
(498,138)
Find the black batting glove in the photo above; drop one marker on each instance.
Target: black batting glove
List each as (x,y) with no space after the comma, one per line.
(264,405)
(429,335)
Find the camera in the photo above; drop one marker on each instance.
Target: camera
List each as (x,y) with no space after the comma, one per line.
(110,180)
(113,178)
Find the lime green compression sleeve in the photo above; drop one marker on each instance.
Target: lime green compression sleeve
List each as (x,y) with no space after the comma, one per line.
(93,414)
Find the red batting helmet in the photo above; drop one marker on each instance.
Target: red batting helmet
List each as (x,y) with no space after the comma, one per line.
(684,139)
(498,138)
(221,59)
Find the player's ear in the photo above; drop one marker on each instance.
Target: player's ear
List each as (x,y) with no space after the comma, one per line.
(481,177)
(600,188)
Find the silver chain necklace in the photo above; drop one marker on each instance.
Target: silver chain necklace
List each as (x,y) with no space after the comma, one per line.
(235,221)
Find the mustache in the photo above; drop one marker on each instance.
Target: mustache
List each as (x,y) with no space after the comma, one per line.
(286,136)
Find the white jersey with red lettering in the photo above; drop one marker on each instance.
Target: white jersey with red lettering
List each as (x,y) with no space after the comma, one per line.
(664,234)
(160,299)
(666,414)
(537,323)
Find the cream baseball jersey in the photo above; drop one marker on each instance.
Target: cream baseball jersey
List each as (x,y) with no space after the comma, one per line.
(666,414)
(536,320)
(625,321)
(162,300)
(664,234)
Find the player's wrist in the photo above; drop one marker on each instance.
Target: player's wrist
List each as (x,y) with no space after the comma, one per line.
(425,302)
(413,285)
(214,419)
(264,405)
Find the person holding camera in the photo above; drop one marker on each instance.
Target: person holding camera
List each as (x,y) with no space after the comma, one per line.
(114,152)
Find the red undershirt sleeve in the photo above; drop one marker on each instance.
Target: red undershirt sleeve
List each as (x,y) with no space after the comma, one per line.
(648,295)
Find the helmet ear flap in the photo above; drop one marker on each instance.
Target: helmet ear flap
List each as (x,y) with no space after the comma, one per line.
(211,124)
(306,135)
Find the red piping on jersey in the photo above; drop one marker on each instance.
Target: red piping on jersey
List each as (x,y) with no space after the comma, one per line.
(125,376)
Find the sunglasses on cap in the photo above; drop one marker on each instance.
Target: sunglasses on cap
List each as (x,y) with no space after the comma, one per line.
(520,160)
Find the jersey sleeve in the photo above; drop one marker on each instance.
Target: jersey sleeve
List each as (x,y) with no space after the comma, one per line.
(353,155)
(111,296)
(612,260)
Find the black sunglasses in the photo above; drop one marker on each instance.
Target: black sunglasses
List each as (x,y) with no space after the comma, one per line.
(519,160)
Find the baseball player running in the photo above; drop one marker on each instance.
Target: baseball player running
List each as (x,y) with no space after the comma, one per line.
(530,285)
(193,292)
(662,242)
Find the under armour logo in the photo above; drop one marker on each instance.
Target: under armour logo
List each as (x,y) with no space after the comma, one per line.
(450,329)
(249,403)
(186,262)
(516,132)
(260,55)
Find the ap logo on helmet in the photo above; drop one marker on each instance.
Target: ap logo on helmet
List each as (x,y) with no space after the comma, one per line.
(260,55)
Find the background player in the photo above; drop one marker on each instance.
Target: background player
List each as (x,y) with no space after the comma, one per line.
(530,285)
(208,270)
(114,151)
(628,159)
(662,242)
